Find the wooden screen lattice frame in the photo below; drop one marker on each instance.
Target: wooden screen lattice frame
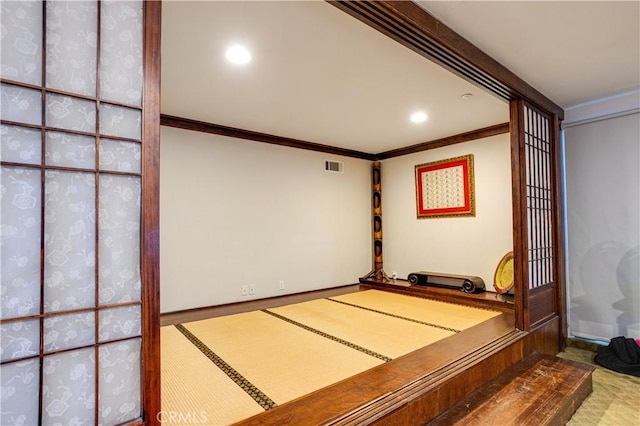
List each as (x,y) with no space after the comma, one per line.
(149,220)
(537,219)
(414,28)
(539,196)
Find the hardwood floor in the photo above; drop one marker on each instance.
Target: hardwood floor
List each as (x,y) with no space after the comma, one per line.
(539,390)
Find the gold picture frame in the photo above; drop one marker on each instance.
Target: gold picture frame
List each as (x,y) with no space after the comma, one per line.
(445,188)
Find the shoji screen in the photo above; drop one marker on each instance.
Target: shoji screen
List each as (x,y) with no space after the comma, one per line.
(538,270)
(71,129)
(539,195)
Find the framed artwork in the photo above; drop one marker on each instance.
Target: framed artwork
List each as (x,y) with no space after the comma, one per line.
(445,188)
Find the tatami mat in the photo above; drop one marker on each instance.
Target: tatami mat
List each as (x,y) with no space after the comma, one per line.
(384,334)
(225,368)
(282,360)
(457,317)
(194,390)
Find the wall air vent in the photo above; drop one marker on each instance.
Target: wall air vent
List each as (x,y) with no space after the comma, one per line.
(333,166)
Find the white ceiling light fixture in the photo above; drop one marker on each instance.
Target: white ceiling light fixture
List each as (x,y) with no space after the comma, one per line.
(238,54)
(418,117)
(466,96)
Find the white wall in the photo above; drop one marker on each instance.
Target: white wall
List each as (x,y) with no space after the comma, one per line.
(603,225)
(460,245)
(234,212)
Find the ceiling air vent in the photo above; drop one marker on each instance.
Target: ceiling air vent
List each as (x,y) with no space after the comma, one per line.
(333,166)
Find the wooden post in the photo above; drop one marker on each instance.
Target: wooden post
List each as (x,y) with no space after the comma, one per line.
(376,193)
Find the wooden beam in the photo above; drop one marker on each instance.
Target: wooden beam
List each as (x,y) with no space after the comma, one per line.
(485,132)
(217,129)
(150,221)
(560,235)
(518,191)
(413,27)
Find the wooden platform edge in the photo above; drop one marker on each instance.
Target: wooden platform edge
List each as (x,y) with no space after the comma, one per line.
(446,368)
(487,300)
(539,390)
(419,386)
(424,405)
(385,409)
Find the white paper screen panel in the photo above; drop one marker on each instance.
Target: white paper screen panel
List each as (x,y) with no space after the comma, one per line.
(19,339)
(69,241)
(119,257)
(120,121)
(69,388)
(70,113)
(20,145)
(71,46)
(21,227)
(68,150)
(21,41)
(71,317)
(121,52)
(19,390)
(120,156)
(20,104)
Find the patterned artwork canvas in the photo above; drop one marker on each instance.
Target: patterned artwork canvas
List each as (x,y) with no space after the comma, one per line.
(445,188)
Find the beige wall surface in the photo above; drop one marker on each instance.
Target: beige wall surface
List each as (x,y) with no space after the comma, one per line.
(236,213)
(457,245)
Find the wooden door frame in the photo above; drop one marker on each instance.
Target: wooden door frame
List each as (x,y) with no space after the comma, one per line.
(530,309)
(150,221)
(411,26)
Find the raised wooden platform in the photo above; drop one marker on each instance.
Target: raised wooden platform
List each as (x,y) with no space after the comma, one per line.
(418,387)
(415,388)
(485,299)
(539,390)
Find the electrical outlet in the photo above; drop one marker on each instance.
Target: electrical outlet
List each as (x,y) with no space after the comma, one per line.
(245,290)
(252,289)
(281,285)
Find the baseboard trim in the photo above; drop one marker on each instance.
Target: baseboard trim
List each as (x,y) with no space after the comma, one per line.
(200,313)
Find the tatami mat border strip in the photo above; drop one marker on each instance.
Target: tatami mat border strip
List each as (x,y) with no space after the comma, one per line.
(396,316)
(263,400)
(330,337)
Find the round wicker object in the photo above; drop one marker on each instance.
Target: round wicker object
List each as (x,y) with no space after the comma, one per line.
(503,278)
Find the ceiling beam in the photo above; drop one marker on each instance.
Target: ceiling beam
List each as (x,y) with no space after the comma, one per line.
(485,132)
(232,132)
(217,129)
(413,27)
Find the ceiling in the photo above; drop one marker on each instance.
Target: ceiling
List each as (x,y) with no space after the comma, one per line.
(571,51)
(319,75)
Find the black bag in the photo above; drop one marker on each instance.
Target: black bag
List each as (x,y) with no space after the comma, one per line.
(622,355)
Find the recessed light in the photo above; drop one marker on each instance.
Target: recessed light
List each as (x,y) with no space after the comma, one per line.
(238,55)
(466,96)
(418,117)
